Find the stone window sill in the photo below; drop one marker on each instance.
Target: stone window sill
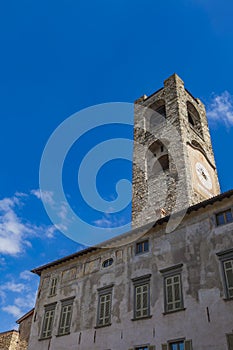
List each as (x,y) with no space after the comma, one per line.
(46,338)
(228,299)
(141,318)
(61,335)
(102,326)
(173,311)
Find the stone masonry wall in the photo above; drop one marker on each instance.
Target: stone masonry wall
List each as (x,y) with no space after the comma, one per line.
(170,190)
(9,340)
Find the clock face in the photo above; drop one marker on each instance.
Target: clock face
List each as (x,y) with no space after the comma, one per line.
(203,175)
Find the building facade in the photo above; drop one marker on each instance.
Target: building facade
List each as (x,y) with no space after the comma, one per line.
(152,288)
(17,340)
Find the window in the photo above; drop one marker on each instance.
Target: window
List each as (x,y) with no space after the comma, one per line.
(194,119)
(53,286)
(224,217)
(230,341)
(142,247)
(157,158)
(104,306)
(48,321)
(228,269)
(157,113)
(178,345)
(66,315)
(107,262)
(226,258)
(143,347)
(141,297)
(173,299)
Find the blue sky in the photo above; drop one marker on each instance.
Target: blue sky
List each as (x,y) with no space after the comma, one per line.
(58,57)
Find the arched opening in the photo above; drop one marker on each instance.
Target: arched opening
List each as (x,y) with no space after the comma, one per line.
(158,113)
(194,118)
(157,158)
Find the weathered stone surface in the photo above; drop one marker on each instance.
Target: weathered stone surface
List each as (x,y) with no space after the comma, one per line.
(177,134)
(9,340)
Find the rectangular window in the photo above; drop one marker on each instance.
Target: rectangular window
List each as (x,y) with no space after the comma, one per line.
(65,318)
(228,270)
(142,247)
(141,297)
(224,217)
(142,300)
(173,293)
(173,297)
(178,345)
(104,306)
(226,258)
(230,341)
(53,286)
(48,321)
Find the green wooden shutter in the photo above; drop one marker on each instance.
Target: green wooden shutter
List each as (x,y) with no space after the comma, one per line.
(131,349)
(188,345)
(230,341)
(164,346)
(152,347)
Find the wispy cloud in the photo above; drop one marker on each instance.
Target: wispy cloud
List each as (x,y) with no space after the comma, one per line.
(59,209)
(16,231)
(25,296)
(46,196)
(12,228)
(13,287)
(26,275)
(13,310)
(109,221)
(220,109)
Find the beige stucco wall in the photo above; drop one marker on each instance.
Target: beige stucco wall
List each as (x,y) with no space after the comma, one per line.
(194,244)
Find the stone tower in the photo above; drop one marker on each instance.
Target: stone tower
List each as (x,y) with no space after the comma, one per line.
(173,161)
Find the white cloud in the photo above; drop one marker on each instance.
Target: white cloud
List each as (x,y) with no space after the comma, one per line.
(13,287)
(46,196)
(25,296)
(16,231)
(12,228)
(26,302)
(13,310)
(26,275)
(109,221)
(221,109)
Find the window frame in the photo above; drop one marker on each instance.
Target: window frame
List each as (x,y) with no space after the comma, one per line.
(172,272)
(226,256)
(142,242)
(48,331)
(223,212)
(188,345)
(52,286)
(65,303)
(104,291)
(179,342)
(229,337)
(107,263)
(140,282)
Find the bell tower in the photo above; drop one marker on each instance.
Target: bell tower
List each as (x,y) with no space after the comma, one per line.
(173,161)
